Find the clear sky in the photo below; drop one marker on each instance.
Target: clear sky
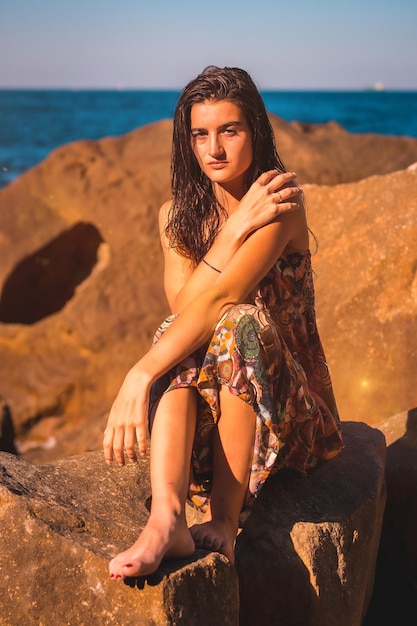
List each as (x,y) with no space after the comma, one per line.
(296,44)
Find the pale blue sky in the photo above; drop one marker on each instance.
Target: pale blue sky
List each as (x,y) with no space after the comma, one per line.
(297,44)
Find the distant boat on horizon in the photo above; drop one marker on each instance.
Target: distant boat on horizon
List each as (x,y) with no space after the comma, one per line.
(378,86)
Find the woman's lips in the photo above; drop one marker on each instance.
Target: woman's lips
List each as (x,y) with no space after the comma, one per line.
(217,165)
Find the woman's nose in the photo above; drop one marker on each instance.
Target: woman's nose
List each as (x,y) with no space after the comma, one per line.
(215,147)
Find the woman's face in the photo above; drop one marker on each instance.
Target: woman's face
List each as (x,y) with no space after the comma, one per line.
(222,142)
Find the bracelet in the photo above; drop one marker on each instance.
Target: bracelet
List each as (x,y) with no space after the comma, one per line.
(212,266)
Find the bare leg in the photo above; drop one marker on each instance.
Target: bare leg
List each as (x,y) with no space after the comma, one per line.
(233,454)
(166,532)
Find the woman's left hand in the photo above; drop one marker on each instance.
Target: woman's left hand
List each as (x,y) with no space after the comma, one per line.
(128,420)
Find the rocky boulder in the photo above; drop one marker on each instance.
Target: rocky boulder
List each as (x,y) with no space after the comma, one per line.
(81,286)
(395,593)
(366,288)
(305,555)
(327,154)
(59,526)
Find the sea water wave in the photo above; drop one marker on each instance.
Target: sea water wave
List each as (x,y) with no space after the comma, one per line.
(34,122)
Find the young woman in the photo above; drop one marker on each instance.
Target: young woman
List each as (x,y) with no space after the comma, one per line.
(236,385)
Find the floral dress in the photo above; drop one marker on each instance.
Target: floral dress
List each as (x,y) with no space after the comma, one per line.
(268,353)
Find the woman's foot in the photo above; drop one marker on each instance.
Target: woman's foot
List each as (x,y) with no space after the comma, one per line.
(158,539)
(217,536)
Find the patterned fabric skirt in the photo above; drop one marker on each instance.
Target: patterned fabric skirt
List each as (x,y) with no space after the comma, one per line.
(248,355)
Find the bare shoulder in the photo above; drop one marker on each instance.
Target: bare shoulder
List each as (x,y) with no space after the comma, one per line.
(299,235)
(164,210)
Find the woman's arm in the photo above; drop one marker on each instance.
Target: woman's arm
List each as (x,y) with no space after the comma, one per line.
(257,208)
(193,327)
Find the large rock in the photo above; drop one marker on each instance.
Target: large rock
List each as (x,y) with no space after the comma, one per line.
(59,526)
(327,154)
(395,595)
(366,287)
(81,280)
(81,276)
(306,554)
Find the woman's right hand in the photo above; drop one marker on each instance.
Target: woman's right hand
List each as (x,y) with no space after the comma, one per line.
(128,419)
(267,198)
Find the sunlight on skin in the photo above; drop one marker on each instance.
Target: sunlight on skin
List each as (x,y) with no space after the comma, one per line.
(159,539)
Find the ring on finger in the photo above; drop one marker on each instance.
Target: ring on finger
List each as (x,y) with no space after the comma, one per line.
(280,197)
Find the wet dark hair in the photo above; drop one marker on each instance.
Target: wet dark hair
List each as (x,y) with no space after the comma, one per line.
(196,214)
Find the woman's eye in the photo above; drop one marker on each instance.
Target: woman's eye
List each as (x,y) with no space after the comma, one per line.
(198,134)
(230,131)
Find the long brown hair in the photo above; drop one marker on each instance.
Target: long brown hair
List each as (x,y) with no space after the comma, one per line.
(195,214)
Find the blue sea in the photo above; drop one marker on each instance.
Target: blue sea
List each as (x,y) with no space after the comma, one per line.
(34,122)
